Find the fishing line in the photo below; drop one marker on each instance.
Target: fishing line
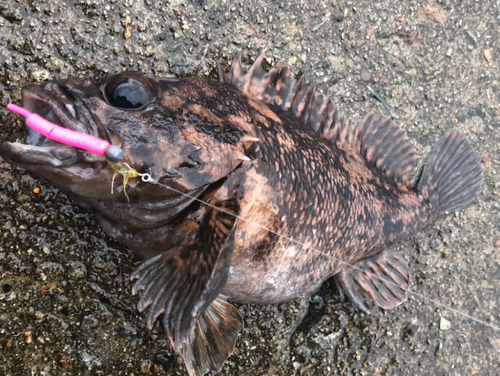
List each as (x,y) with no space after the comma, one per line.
(147,178)
(114,156)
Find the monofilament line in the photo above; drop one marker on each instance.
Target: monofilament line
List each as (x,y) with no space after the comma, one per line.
(147,178)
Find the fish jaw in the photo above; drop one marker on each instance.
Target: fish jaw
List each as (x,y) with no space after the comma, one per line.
(158,138)
(66,167)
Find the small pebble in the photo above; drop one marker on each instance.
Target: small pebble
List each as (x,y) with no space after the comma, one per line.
(488,54)
(146,367)
(444,324)
(365,74)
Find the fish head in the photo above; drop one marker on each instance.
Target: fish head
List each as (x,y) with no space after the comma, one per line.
(161,127)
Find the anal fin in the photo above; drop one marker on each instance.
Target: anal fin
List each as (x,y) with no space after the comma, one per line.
(384,278)
(213,338)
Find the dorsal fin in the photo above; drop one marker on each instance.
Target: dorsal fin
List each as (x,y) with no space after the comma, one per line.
(384,144)
(381,141)
(279,87)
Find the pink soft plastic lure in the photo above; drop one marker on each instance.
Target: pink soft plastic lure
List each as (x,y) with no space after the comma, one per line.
(69,137)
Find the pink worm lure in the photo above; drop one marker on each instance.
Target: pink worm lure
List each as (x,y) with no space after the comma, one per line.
(69,137)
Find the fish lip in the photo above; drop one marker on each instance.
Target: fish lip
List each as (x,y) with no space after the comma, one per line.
(54,102)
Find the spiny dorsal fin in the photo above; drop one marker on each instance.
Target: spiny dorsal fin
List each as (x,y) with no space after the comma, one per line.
(377,138)
(384,144)
(279,87)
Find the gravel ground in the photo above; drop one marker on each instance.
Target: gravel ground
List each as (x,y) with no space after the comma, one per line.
(65,302)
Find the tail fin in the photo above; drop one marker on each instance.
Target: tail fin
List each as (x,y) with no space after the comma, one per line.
(452,177)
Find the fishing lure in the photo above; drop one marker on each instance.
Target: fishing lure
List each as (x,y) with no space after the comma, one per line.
(69,137)
(95,145)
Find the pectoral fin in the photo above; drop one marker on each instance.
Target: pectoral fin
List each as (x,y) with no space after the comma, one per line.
(183,282)
(213,338)
(384,278)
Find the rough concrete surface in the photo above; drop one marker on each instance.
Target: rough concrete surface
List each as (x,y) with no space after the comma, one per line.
(65,301)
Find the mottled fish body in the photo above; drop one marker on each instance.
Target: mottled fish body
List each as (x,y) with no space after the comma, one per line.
(281,192)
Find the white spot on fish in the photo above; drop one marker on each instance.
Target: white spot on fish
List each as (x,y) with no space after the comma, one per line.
(70,109)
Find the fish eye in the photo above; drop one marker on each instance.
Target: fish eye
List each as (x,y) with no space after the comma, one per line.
(128,94)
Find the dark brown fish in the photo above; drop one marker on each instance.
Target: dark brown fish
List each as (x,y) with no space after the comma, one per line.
(313,192)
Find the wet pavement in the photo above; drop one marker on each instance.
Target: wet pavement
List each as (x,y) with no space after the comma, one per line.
(65,301)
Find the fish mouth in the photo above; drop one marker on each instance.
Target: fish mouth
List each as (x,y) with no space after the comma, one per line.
(54,102)
(75,104)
